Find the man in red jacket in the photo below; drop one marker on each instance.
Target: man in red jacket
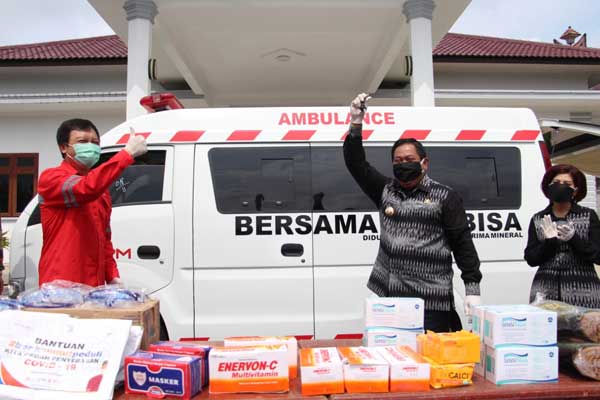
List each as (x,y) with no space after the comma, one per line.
(75,206)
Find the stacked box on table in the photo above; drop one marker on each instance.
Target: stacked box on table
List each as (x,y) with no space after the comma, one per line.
(185,348)
(161,374)
(289,341)
(146,315)
(520,344)
(365,370)
(478,318)
(393,321)
(409,371)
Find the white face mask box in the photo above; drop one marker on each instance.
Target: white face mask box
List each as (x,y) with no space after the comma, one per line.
(521,364)
(376,337)
(394,312)
(519,325)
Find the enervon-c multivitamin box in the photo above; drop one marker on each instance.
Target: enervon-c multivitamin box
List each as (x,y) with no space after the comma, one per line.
(187,348)
(365,371)
(519,325)
(159,375)
(249,369)
(321,371)
(289,341)
(409,371)
(394,312)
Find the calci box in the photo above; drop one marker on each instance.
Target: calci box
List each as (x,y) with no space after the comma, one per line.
(289,341)
(394,312)
(249,369)
(365,370)
(160,375)
(321,371)
(186,348)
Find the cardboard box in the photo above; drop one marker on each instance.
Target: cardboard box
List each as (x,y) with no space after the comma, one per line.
(521,364)
(394,312)
(146,315)
(479,367)
(160,375)
(409,372)
(450,347)
(450,375)
(289,341)
(512,325)
(321,371)
(365,371)
(374,337)
(249,369)
(478,318)
(185,348)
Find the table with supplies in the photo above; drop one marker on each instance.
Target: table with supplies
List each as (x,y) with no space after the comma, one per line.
(569,386)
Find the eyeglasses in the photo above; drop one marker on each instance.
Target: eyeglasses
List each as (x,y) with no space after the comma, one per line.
(569,183)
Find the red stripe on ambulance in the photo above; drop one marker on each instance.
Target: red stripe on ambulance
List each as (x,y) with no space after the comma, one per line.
(125,138)
(525,135)
(299,135)
(187,136)
(419,134)
(243,135)
(469,134)
(365,134)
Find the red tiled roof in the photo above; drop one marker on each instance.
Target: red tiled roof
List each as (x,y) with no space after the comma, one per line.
(95,48)
(453,45)
(472,46)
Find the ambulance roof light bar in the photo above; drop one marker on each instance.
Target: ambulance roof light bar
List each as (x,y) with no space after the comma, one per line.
(160,102)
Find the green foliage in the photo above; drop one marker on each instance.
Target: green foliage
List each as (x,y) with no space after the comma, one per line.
(4,240)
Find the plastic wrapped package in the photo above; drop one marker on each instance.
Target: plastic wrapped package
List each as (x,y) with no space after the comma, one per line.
(112,296)
(55,294)
(584,357)
(9,304)
(572,321)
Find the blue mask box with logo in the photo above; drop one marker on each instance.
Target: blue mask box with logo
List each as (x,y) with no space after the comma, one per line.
(519,324)
(162,375)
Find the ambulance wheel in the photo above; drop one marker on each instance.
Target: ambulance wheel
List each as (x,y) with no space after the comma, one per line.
(164,334)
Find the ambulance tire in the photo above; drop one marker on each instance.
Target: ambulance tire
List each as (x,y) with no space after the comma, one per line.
(164,334)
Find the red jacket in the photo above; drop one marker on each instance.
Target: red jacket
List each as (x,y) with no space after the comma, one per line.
(75,212)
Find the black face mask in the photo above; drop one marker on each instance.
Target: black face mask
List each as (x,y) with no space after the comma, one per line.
(407,171)
(560,193)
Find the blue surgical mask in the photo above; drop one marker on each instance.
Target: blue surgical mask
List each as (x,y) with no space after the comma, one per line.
(87,154)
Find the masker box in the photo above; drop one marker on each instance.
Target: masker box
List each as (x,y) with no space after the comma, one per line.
(249,369)
(289,341)
(409,371)
(521,364)
(519,325)
(160,375)
(394,312)
(375,337)
(321,371)
(186,348)
(365,370)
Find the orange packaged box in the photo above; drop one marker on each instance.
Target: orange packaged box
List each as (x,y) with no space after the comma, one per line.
(450,348)
(450,375)
(321,371)
(409,371)
(249,369)
(365,371)
(289,341)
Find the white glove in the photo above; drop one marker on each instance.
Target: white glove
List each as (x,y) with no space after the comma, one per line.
(565,232)
(549,227)
(116,281)
(358,108)
(136,145)
(470,302)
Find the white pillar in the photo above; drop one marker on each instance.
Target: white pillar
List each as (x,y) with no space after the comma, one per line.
(418,15)
(140,17)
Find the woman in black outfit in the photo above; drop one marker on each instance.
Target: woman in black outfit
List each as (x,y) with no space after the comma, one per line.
(564,241)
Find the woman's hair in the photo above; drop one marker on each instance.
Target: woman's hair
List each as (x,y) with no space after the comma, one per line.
(576,175)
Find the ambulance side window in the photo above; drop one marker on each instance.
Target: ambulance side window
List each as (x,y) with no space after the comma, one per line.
(141,182)
(485,177)
(261,179)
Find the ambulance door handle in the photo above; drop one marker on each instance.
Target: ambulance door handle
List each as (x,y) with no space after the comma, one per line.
(148,252)
(292,250)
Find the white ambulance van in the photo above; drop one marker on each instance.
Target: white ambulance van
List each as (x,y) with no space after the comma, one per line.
(246,221)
